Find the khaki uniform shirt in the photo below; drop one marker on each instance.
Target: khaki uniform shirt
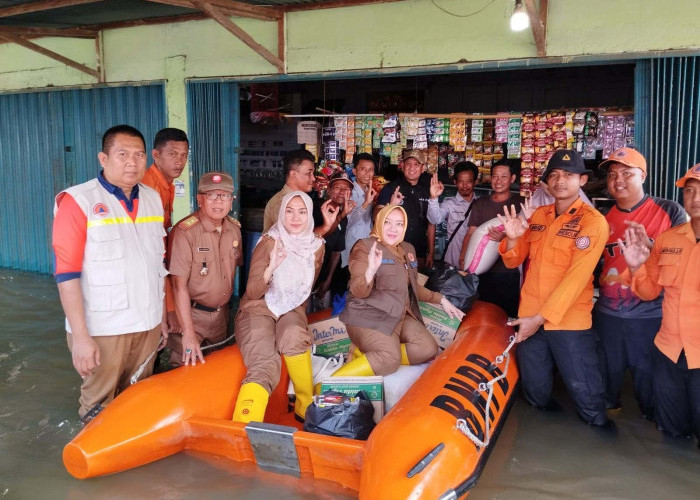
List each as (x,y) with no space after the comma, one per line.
(196,245)
(272,208)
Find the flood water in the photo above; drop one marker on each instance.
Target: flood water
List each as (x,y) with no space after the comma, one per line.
(538,455)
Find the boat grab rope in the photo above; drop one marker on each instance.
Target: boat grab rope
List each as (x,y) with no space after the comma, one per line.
(137,374)
(488,387)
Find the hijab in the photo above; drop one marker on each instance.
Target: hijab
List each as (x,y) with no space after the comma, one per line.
(294,277)
(378,228)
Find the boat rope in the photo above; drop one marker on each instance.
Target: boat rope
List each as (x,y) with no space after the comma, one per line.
(488,387)
(137,374)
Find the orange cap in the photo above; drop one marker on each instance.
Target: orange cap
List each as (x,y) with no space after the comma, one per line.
(626,156)
(692,173)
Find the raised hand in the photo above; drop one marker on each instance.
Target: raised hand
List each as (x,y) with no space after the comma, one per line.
(329,212)
(640,233)
(396,198)
(526,209)
(451,309)
(370,193)
(436,187)
(374,260)
(634,249)
(513,226)
(348,205)
(277,255)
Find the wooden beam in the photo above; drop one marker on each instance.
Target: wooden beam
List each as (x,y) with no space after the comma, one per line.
(221,18)
(231,8)
(49,53)
(26,32)
(538,23)
(26,8)
(197,16)
(333,4)
(282,40)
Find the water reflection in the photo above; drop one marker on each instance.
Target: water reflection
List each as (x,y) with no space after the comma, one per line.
(538,455)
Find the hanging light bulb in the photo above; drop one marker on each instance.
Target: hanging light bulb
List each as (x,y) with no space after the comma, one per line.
(519,20)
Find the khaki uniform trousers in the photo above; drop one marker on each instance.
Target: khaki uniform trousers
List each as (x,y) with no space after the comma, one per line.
(384,351)
(120,357)
(209,328)
(262,339)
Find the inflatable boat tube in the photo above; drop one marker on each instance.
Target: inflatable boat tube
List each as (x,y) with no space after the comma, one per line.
(417,451)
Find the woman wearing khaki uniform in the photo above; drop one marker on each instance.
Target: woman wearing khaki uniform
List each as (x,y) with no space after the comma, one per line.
(381,314)
(272,318)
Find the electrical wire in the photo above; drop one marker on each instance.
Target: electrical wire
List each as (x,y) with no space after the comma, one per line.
(462,15)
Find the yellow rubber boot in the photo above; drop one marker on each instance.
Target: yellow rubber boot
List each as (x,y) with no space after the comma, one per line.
(404,355)
(358,367)
(301,373)
(251,403)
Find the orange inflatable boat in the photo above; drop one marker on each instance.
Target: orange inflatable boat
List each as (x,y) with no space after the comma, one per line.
(432,444)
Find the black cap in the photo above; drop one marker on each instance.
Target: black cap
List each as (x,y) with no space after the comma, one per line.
(565,159)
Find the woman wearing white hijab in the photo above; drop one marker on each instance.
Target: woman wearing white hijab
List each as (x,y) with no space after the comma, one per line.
(272,315)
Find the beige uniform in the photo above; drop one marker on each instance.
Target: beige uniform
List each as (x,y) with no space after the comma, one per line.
(384,314)
(272,208)
(261,335)
(208,258)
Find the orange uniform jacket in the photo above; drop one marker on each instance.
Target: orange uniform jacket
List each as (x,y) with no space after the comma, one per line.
(563,253)
(674,267)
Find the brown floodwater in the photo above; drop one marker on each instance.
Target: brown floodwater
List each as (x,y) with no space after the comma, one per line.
(539,455)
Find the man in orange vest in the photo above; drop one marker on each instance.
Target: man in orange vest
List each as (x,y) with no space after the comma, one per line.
(672,266)
(170,152)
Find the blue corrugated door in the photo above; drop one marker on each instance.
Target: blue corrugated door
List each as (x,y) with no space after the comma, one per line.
(667,114)
(49,141)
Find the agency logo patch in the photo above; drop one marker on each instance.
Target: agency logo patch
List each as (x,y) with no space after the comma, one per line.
(100,210)
(583,242)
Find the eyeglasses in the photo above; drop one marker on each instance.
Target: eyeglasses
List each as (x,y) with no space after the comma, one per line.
(219,196)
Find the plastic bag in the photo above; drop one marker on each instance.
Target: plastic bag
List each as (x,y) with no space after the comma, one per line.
(458,288)
(334,414)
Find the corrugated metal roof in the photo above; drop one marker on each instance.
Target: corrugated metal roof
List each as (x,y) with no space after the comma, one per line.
(113,11)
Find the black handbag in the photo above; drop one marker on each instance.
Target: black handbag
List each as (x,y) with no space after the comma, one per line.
(459,287)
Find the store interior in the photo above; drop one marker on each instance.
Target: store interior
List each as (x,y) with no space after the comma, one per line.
(589,96)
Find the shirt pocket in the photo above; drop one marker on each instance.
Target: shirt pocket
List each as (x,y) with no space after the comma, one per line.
(387,277)
(535,239)
(668,269)
(562,251)
(107,287)
(105,244)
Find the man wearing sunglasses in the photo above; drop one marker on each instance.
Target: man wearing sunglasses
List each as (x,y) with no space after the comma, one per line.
(205,249)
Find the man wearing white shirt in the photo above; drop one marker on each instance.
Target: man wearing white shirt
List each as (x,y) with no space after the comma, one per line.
(455,207)
(359,221)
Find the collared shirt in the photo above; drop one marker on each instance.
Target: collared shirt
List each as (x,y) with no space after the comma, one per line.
(454,209)
(563,253)
(616,298)
(70,229)
(674,267)
(359,223)
(154,178)
(272,208)
(207,257)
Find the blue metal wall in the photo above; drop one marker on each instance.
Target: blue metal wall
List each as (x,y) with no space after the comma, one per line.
(214,130)
(49,141)
(667,115)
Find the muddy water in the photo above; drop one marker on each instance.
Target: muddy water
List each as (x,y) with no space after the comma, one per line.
(538,455)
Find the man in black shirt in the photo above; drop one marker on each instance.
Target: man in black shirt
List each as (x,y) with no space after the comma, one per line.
(330,223)
(413,197)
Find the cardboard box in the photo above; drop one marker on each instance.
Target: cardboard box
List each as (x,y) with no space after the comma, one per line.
(330,337)
(439,323)
(422,279)
(373,386)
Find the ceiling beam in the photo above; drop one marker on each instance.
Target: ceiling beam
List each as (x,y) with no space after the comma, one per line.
(538,23)
(333,4)
(49,53)
(26,8)
(231,8)
(216,14)
(29,32)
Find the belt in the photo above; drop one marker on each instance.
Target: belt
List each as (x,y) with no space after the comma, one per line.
(199,306)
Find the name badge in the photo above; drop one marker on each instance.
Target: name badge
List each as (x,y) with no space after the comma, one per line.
(202,249)
(387,261)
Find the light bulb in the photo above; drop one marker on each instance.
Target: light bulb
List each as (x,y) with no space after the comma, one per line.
(519,20)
